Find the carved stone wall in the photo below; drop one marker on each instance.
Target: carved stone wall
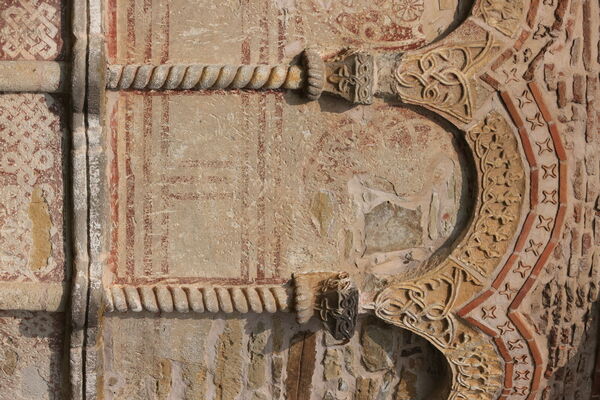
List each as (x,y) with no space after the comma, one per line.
(299,199)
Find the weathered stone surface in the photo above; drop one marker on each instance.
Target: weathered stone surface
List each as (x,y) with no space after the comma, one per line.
(257,372)
(377,348)
(154,369)
(228,376)
(307,218)
(391,228)
(332,364)
(301,366)
(459,192)
(366,388)
(31,355)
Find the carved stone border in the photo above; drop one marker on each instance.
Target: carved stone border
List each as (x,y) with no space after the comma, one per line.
(429,305)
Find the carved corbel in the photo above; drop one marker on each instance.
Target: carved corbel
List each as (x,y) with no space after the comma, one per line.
(333,295)
(352,77)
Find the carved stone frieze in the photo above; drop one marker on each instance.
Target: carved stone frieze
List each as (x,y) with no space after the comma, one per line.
(502,193)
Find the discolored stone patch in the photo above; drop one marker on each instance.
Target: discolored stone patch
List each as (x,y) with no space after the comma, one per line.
(32,135)
(389,227)
(40,230)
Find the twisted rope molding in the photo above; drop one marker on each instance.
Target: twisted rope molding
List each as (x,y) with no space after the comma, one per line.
(310,76)
(200,299)
(203,77)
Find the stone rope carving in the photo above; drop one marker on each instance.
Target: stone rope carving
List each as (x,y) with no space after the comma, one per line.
(315,73)
(204,77)
(200,299)
(350,76)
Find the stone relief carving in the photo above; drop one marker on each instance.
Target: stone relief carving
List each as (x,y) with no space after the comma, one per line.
(42,39)
(441,78)
(425,305)
(476,305)
(338,306)
(503,15)
(203,77)
(31,187)
(352,78)
(200,299)
(502,192)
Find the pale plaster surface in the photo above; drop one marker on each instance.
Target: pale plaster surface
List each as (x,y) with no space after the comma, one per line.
(225,195)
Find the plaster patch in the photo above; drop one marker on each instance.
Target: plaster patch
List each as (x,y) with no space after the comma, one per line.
(41,223)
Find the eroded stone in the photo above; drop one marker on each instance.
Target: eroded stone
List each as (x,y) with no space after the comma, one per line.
(389,227)
(377,348)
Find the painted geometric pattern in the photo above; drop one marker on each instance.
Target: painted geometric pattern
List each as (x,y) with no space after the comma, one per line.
(31,188)
(30,29)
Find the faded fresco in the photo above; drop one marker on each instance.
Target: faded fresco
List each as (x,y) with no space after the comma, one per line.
(299,199)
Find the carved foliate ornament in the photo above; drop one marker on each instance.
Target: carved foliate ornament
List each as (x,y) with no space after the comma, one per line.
(427,305)
(352,78)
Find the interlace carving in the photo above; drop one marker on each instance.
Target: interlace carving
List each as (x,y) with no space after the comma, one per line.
(30,30)
(29,170)
(338,306)
(426,305)
(352,78)
(441,78)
